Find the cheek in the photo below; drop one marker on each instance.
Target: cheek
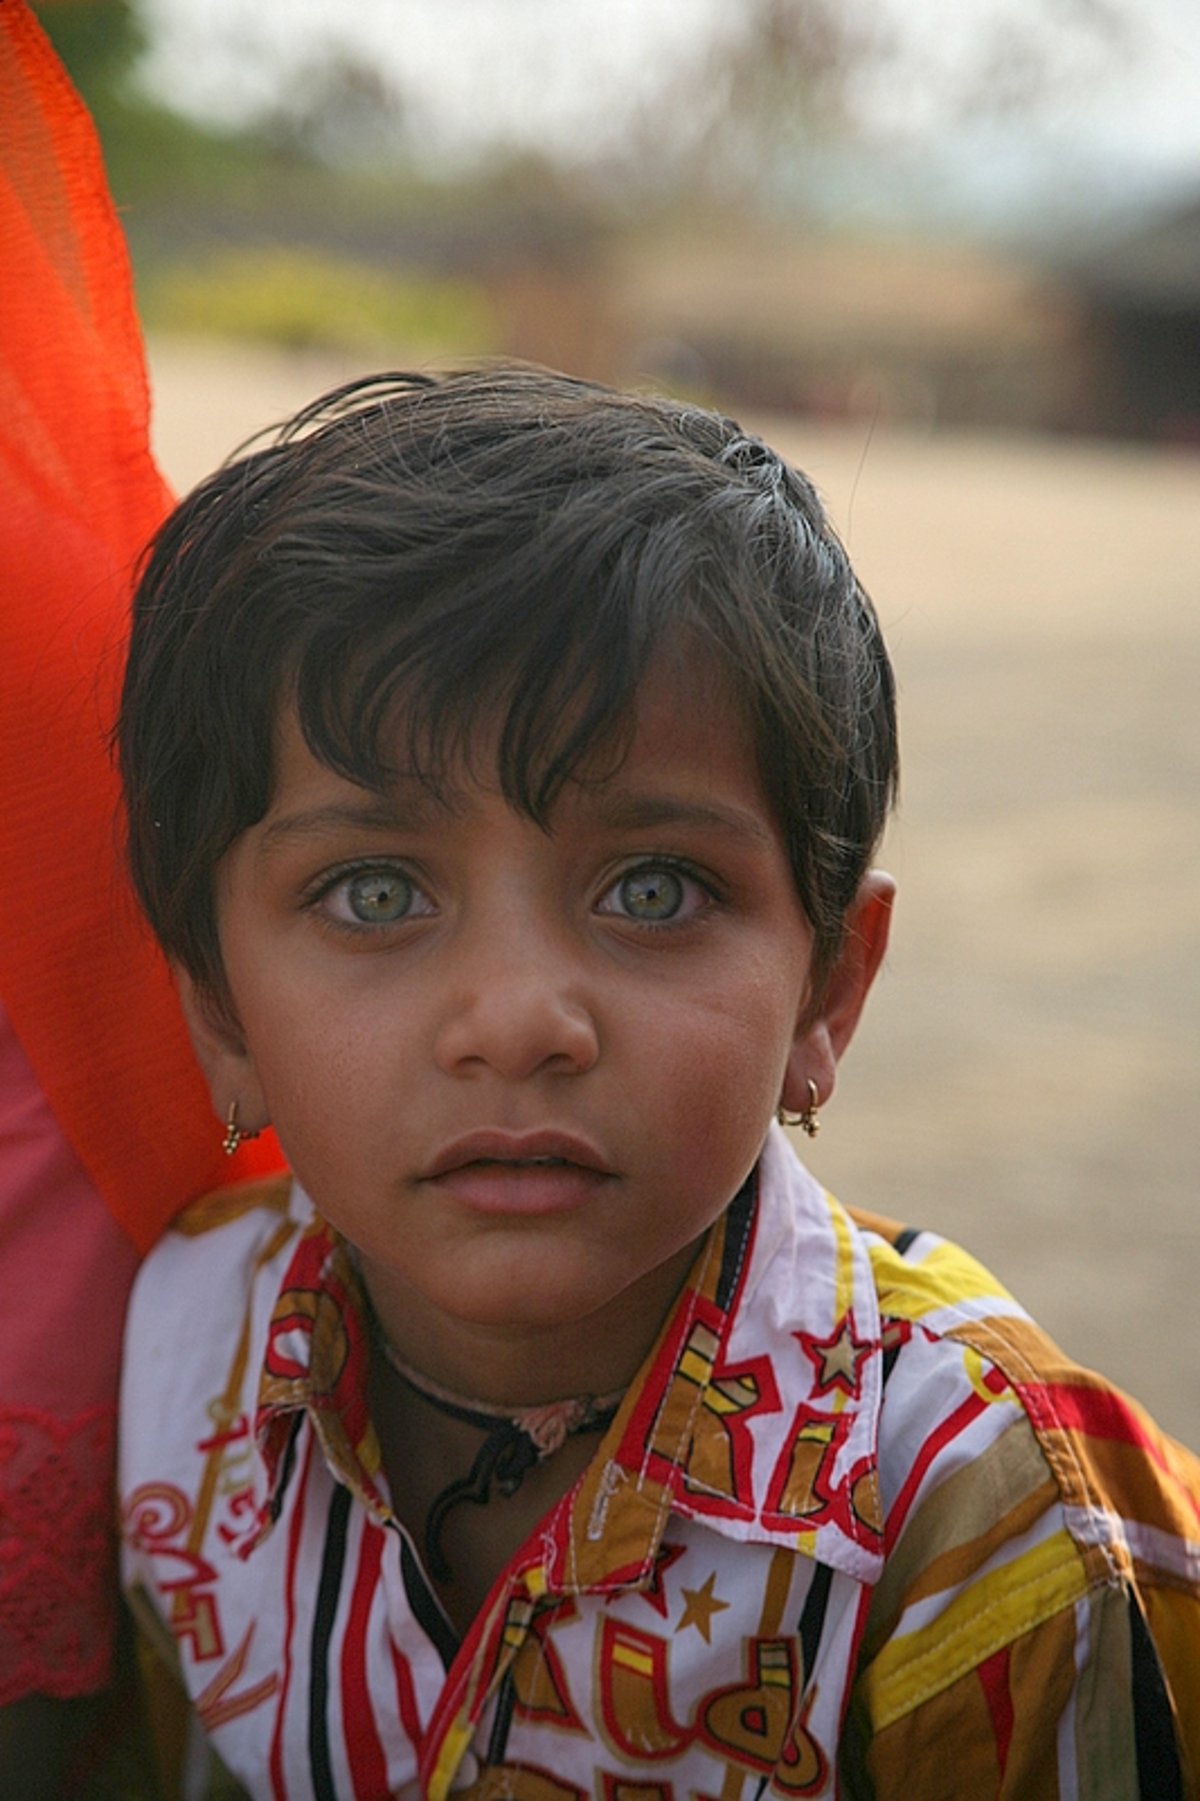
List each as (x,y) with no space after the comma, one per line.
(714,1081)
(319,1101)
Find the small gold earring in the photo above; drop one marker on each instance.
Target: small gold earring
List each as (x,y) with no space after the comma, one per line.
(234,1134)
(808,1121)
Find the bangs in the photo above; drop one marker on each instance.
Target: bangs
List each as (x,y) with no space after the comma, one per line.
(545,666)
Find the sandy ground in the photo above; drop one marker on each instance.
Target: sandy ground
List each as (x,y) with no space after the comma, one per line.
(1026,1077)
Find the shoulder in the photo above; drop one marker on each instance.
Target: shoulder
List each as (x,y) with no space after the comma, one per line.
(942,1311)
(1036,1520)
(195,1308)
(973,1509)
(211,1257)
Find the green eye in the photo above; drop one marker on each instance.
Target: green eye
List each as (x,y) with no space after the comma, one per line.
(652,894)
(380,897)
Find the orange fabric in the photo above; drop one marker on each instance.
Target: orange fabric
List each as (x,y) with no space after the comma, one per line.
(86,990)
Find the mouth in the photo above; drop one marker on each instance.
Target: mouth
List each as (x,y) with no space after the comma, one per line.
(520,1172)
(543,1149)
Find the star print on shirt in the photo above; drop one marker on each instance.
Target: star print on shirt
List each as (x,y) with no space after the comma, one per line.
(838,1357)
(700,1606)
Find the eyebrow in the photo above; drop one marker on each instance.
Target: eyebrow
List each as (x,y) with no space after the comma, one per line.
(628,810)
(375,814)
(620,810)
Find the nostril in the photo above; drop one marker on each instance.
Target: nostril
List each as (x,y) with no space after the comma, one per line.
(518,1032)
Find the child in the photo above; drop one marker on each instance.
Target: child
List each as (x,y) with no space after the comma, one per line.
(504,760)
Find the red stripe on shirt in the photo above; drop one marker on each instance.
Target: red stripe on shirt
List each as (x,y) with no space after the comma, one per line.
(1099,1412)
(949,1430)
(993,1679)
(365,1753)
(406,1699)
(1105,1414)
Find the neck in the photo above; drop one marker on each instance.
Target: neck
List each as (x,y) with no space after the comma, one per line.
(513,1443)
(576,1410)
(424,1452)
(536,1362)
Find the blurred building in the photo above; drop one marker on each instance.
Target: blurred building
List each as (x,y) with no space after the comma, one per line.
(1140,294)
(929,332)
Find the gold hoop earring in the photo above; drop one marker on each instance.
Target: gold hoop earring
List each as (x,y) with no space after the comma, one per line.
(234,1134)
(809,1121)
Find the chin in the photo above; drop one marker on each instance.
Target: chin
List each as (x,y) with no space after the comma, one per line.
(538,1288)
(523,1305)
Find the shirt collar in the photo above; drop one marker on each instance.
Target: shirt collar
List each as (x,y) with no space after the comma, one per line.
(315,1363)
(756,1413)
(758,1410)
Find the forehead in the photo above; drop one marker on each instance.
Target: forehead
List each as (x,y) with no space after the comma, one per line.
(685,712)
(684,735)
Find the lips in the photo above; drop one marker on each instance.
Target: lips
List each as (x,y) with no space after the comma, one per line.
(536,1148)
(537,1172)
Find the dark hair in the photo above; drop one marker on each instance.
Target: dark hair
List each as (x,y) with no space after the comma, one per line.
(503,539)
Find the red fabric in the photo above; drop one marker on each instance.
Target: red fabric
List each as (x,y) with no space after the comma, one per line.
(56,1237)
(105,1125)
(56,1608)
(87,993)
(67,1267)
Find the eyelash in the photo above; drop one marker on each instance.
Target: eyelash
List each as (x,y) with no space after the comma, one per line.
(327,885)
(685,873)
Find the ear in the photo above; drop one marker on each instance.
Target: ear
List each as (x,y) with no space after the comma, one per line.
(822,1040)
(221,1052)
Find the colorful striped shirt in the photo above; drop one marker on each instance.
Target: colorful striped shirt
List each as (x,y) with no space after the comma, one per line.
(857,1529)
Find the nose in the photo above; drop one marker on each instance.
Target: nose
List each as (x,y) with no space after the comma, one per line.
(517,1014)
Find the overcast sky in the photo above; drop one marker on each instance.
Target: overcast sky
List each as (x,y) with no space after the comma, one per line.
(562,73)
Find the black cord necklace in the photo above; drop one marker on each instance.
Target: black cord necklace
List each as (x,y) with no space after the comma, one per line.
(518,1438)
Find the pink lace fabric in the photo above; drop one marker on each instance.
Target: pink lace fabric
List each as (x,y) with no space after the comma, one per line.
(57,1565)
(65,1270)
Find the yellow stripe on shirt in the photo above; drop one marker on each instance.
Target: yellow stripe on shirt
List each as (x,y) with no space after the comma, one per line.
(977,1621)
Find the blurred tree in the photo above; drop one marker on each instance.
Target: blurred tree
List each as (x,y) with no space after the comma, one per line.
(781,87)
(781,83)
(1020,60)
(100,42)
(149,151)
(340,109)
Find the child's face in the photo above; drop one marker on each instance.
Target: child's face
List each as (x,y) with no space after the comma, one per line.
(523,1071)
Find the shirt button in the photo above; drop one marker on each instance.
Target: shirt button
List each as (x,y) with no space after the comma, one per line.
(466,1774)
